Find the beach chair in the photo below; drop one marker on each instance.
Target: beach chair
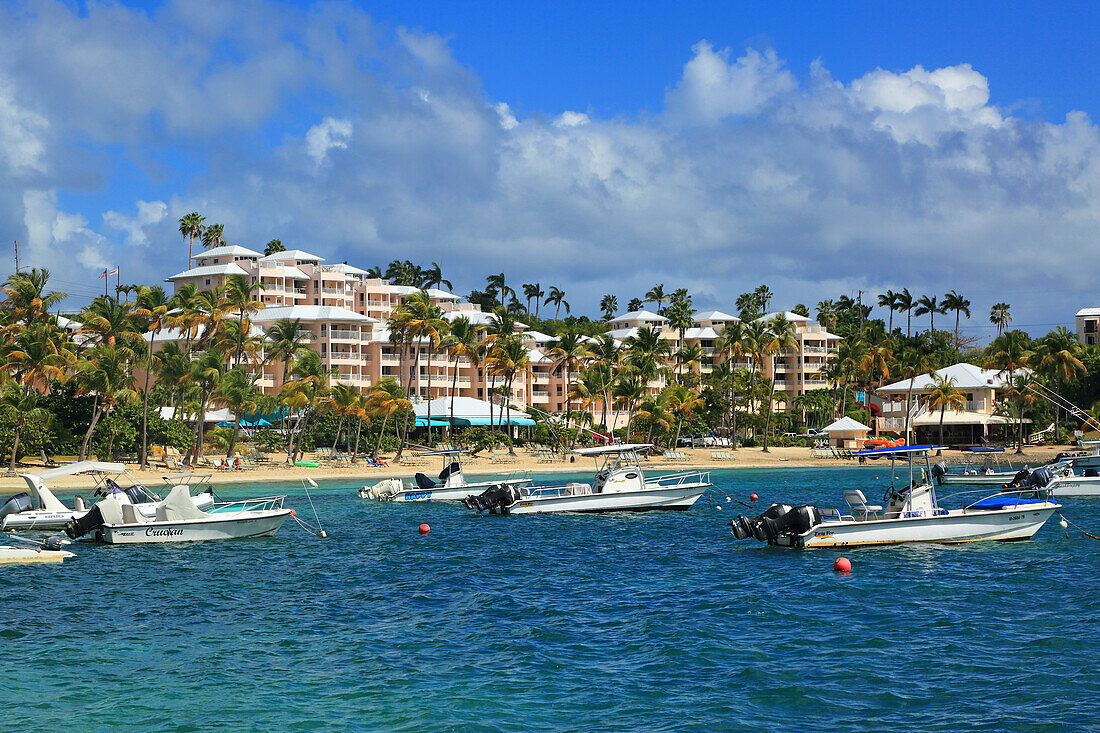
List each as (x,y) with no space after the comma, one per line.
(857,502)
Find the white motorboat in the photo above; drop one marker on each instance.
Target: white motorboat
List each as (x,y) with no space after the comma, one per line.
(912,513)
(179,520)
(450,486)
(620,485)
(984,466)
(38,508)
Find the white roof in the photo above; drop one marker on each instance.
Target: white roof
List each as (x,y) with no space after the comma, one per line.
(345,268)
(478,318)
(964,376)
(1089,312)
(538,337)
(622,333)
(229,268)
(613,448)
(847,424)
(309,313)
(295,274)
(637,317)
(464,407)
(700,333)
(79,467)
(442,294)
(222,415)
(714,316)
(227,249)
(791,316)
(537,357)
(291,254)
(68,324)
(963,417)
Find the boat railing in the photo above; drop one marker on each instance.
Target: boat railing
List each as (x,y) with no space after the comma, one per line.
(576,489)
(248,505)
(1020,493)
(676,479)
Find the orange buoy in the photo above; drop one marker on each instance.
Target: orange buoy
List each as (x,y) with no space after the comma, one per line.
(842,565)
(293,513)
(753,497)
(425,529)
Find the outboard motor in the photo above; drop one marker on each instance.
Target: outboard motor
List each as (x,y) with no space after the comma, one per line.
(939,469)
(493,499)
(779,519)
(81,526)
(1091,473)
(1040,477)
(17,504)
(1019,479)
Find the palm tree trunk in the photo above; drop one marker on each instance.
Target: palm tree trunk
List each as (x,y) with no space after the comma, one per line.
(454,388)
(15,445)
(233,438)
(339,426)
(144,458)
(358,430)
(96,414)
(941,423)
(679,424)
(381,432)
(768,417)
(508,407)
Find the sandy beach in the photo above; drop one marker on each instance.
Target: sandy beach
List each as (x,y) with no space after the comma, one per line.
(697,459)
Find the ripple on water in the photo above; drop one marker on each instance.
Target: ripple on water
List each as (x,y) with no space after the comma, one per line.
(655,622)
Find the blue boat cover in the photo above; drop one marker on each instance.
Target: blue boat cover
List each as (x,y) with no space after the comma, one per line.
(1003,502)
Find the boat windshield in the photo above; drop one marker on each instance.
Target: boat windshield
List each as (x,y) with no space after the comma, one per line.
(607,462)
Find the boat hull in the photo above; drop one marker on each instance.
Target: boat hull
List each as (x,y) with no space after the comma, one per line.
(678,497)
(29,556)
(457,493)
(1084,486)
(955,527)
(976,479)
(231,527)
(58,520)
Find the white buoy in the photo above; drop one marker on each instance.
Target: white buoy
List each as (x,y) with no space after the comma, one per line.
(1063,523)
(727,498)
(718,507)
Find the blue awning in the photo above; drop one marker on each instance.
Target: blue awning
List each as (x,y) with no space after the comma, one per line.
(501,420)
(422,422)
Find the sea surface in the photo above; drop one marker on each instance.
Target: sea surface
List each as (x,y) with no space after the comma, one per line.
(639,622)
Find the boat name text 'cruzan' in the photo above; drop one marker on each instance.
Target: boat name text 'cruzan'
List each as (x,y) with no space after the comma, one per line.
(168,532)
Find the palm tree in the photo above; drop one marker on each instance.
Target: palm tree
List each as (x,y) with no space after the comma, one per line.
(557,297)
(654,410)
(927,304)
(20,405)
(343,402)
(109,321)
(569,352)
(26,299)
(905,303)
(730,344)
(239,293)
(191,227)
(275,245)
(680,318)
(213,236)
(510,358)
(1000,317)
(628,392)
(461,342)
(647,353)
(780,338)
(433,278)
(943,395)
(533,291)
(285,340)
(657,295)
(419,319)
(912,362)
(106,373)
(1059,353)
(237,392)
(682,402)
(889,300)
(151,308)
(1010,353)
(826,314)
(204,375)
(609,304)
(763,296)
(387,398)
(955,302)
(497,286)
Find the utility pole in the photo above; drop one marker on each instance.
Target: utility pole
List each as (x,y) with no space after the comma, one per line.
(17,255)
(859,300)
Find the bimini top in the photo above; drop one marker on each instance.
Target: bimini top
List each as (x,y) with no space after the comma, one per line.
(893,451)
(613,448)
(445,452)
(79,467)
(984,449)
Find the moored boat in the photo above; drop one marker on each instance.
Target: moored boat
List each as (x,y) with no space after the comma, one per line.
(912,513)
(984,466)
(451,484)
(620,485)
(39,508)
(49,551)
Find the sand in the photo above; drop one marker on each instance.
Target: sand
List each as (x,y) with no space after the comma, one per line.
(776,458)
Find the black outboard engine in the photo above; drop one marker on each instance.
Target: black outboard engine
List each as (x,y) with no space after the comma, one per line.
(493,499)
(1040,477)
(939,469)
(779,519)
(19,503)
(1019,479)
(83,525)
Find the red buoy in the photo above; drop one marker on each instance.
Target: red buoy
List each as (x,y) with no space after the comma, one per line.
(425,529)
(293,513)
(842,565)
(754,497)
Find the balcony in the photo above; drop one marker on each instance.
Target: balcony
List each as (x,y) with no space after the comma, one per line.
(344,356)
(336,335)
(814,350)
(391,359)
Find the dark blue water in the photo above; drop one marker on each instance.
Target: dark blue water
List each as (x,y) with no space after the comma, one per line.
(656,622)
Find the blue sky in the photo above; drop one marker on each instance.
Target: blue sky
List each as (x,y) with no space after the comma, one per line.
(820,148)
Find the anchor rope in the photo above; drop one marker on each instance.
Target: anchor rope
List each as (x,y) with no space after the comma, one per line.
(1077,527)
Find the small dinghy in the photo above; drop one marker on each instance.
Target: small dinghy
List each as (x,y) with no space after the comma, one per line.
(178,519)
(49,551)
(38,508)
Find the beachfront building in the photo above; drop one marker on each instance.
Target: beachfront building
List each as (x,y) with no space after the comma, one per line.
(979,423)
(1088,326)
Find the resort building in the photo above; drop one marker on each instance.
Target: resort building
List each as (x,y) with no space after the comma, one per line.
(1088,326)
(980,422)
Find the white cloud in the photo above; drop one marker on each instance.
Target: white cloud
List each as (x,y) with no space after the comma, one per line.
(712,88)
(330,133)
(571,119)
(148,214)
(21,134)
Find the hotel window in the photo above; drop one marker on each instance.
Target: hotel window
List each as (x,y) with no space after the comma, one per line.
(315,285)
(324,349)
(480,393)
(324,326)
(207,281)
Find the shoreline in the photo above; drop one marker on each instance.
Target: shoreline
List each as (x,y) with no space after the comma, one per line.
(699,459)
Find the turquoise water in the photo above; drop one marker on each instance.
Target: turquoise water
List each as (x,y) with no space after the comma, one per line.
(656,622)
